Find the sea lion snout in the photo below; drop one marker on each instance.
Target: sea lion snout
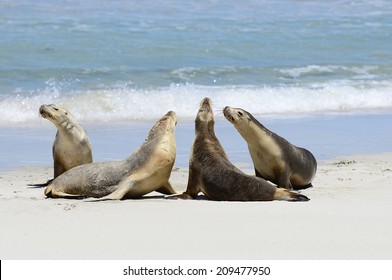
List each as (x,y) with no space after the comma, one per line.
(44,111)
(229,113)
(206,104)
(50,111)
(173,115)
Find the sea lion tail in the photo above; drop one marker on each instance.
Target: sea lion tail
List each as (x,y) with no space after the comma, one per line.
(283,194)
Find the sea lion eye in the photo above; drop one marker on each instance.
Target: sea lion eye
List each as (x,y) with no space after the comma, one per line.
(240,113)
(56,109)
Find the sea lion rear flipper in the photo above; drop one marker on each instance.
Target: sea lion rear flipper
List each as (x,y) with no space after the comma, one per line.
(283,194)
(53,193)
(40,185)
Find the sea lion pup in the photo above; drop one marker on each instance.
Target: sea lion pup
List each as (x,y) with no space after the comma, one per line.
(274,158)
(211,172)
(147,169)
(71,146)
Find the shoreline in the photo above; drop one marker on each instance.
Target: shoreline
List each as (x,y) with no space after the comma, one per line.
(326,136)
(347,217)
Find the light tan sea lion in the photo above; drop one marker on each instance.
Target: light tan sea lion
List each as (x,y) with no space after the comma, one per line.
(147,169)
(71,146)
(274,158)
(211,172)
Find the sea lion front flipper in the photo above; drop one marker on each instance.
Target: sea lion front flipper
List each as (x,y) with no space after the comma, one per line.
(167,189)
(297,187)
(58,167)
(193,186)
(179,196)
(123,188)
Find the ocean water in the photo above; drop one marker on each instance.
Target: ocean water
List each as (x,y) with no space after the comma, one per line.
(116,61)
(317,72)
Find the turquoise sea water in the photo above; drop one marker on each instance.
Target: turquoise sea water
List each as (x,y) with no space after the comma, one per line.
(131,60)
(317,72)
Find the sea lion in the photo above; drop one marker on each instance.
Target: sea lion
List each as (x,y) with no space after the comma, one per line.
(211,172)
(71,146)
(274,158)
(147,169)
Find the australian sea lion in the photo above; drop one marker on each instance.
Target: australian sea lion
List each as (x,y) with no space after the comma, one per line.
(274,158)
(71,146)
(211,172)
(147,169)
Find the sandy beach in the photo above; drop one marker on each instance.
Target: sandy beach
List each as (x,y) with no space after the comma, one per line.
(349,216)
(317,73)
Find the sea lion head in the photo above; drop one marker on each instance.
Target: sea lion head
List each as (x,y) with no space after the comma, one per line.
(237,116)
(242,120)
(205,113)
(59,116)
(164,125)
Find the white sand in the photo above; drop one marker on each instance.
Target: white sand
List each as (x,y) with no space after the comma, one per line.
(349,216)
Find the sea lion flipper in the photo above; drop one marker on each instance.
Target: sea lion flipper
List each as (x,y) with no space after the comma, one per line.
(193,186)
(296,187)
(179,196)
(123,189)
(283,194)
(40,185)
(167,189)
(54,193)
(58,166)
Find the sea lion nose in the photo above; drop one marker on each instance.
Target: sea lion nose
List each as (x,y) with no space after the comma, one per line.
(42,109)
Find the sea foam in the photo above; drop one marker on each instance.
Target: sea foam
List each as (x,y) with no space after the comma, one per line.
(126,104)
